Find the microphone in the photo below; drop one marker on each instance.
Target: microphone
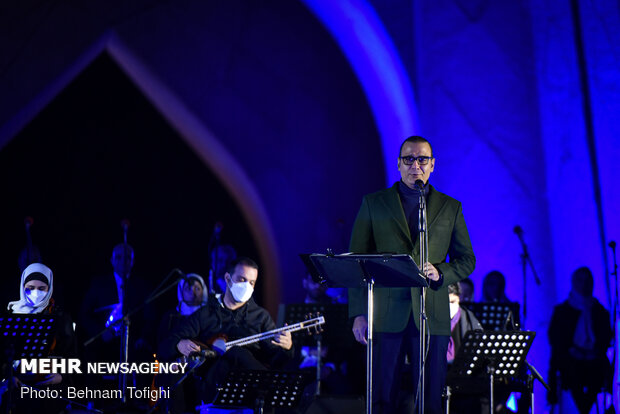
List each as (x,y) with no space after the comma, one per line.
(217,229)
(518,230)
(419,183)
(612,244)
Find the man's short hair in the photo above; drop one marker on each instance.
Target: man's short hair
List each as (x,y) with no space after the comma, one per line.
(454,289)
(243,261)
(415,139)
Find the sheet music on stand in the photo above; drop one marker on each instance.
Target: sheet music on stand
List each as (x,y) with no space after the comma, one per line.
(493,315)
(260,389)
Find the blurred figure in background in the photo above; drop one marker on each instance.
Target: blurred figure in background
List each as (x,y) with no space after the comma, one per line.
(315,292)
(466,287)
(192,294)
(106,300)
(221,257)
(494,287)
(580,333)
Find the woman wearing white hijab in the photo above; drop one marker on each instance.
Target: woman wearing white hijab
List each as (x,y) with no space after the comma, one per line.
(192,294)
(35,290)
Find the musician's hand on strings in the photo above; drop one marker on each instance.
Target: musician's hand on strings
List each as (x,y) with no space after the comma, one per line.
(431,272)
(360,329)
(187,346)
(51,379)
(283,340)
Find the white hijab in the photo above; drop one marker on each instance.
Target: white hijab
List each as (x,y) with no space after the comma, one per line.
(23,305)
(183,308)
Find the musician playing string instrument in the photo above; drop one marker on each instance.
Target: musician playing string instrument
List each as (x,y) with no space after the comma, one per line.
(235,315)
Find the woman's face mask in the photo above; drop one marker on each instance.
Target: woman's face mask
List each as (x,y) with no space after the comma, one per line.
(454,304)
(35,296)
(454,308)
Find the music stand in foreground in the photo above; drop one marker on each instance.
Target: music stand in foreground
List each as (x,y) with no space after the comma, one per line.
(259,389)
(488,354)
(24,336)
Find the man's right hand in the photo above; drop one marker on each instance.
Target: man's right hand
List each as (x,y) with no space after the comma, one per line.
(187,347)
(360,329)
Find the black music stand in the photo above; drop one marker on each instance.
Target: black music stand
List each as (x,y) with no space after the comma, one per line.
(487,356)
(24,336)
(493,316)
(368,270)
(259,389)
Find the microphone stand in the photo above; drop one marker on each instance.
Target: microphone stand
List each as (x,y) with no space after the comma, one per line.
(125,318)
(214,244)
(423,238)
(525,260)
(126,321)
(615,398)
(154,295)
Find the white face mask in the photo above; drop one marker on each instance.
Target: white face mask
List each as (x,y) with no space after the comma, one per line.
(454,308)
(35,297)
(241,292)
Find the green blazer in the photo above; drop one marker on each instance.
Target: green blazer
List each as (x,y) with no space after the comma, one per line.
(381,227)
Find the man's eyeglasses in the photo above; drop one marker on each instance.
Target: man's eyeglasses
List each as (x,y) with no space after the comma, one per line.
(409,159)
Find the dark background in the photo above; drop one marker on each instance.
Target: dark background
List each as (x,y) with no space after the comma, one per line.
(113,157)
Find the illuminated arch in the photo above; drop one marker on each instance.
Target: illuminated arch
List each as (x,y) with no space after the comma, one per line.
(370,51)
(213,154)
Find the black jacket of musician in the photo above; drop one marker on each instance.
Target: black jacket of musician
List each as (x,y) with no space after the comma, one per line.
(215,319)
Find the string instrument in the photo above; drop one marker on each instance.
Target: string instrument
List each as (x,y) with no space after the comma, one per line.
(312,325)
(309,324)
(29,254)
(118,309)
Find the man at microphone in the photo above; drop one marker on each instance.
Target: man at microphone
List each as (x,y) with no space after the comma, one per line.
(387,222)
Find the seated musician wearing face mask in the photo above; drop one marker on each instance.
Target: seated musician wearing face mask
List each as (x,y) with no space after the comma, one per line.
(36,289)
(235,315)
